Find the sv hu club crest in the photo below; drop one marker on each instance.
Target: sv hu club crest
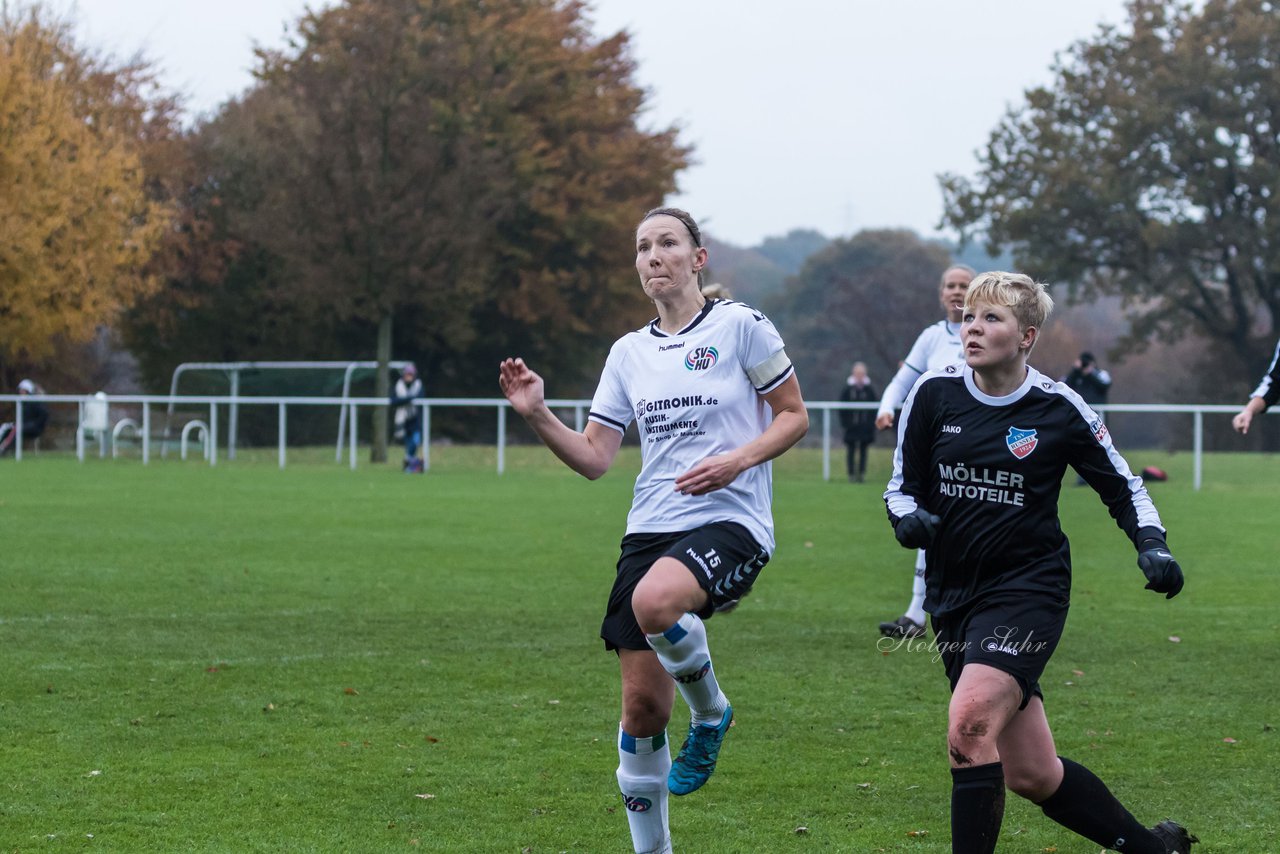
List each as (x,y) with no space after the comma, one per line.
(701,358)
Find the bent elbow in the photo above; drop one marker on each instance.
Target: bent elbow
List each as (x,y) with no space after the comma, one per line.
(593,470)
(801,428)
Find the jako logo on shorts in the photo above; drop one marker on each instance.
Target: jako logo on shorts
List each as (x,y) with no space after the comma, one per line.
(701,358)
(637,804)
(1021,442)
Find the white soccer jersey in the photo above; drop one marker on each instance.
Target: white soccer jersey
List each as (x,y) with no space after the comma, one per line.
(938,346)
(693,395)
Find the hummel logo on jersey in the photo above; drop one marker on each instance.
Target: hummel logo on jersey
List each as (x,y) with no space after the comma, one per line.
(701,358)
(1021,442)
(665,347)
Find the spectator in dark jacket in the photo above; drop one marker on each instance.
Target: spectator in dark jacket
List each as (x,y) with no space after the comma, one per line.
(35,416)
(859,424)
(408,417)
(1088,380)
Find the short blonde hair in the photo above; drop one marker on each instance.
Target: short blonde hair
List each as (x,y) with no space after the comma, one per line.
(1027,298)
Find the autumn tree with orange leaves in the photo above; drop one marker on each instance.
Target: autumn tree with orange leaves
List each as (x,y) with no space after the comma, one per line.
(78,219)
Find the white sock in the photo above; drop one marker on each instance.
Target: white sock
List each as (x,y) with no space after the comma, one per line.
(643,764)
(915,611)
(682,649)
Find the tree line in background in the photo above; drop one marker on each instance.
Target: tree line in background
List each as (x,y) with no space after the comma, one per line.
(451,182)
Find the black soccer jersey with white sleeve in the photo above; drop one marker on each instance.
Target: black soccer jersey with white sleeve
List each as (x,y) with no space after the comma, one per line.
(992,468)
(1269,388)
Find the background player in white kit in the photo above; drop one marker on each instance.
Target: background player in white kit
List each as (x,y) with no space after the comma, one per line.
(938,346)
(715,398)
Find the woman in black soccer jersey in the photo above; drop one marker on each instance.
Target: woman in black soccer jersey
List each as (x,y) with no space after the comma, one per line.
(714,398)
(1264,396)
(981,455)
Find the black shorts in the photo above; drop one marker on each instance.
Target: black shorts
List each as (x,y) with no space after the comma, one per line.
(723,556)
(1013,632)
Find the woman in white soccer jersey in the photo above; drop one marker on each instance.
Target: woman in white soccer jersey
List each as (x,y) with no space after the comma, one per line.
(982,450)
(938,346)
(715,399)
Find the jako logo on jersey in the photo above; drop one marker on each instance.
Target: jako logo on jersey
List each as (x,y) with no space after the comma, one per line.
(701,358)
(1099,430)
(695,676)
(1021,442)
(637,804)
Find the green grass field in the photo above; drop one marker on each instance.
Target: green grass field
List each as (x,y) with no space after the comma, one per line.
(243,659)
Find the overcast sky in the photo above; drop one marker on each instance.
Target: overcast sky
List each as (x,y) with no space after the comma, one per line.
(835,115)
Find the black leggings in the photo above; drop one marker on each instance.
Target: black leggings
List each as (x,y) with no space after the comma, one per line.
(856,451)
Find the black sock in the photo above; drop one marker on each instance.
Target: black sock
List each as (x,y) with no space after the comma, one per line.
(977,808)
(1085,805)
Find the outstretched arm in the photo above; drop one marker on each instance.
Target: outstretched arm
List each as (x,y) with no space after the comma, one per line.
(589,453)
(895,393)
(790,423)
(1267,394)
(1244,418)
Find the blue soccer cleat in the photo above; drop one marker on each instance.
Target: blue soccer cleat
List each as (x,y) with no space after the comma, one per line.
(698,755)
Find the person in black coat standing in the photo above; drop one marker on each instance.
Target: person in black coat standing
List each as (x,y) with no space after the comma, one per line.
(859,424)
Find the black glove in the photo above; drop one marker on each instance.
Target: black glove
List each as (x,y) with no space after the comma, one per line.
(1162,571)
(917,529)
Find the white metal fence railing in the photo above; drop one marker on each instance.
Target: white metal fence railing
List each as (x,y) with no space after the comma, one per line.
(94,420)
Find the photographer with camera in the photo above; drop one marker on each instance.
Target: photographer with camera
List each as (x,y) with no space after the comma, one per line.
(1088,380)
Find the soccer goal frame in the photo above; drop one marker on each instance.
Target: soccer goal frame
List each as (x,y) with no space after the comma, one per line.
(233,369)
